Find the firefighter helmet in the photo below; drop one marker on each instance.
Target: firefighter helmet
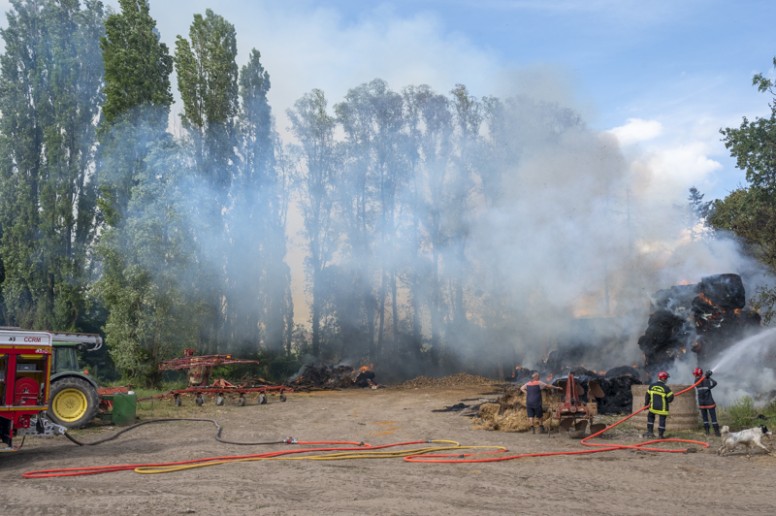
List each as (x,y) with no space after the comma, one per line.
(698,372)
(662,376)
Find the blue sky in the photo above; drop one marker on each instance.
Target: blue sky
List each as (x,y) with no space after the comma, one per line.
(664,75)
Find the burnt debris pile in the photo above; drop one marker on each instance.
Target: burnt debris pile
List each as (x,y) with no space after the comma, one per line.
(705,318)
(611,391)
(323,376)
(326,376)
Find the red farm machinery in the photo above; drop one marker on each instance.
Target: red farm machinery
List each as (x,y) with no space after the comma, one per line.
(200,369)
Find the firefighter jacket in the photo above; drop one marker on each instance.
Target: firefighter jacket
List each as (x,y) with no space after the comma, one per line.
(658,397)
(705,399)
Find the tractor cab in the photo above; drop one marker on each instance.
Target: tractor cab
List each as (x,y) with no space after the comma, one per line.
(75,399)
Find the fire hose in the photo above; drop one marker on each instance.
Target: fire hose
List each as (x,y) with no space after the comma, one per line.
(334,450)
(218,438)
(354,451)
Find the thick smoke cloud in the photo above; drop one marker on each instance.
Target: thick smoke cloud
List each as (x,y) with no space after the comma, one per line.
(578,243)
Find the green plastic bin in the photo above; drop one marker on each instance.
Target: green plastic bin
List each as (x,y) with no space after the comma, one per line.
(124,409)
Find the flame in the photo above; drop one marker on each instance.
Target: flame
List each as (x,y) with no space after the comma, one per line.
(703,297)
(366,367)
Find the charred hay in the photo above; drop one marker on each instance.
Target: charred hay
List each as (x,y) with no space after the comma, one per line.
(705,318)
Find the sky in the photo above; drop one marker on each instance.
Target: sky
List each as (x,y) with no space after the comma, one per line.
(663,76)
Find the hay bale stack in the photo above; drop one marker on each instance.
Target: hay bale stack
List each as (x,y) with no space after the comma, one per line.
(508,413)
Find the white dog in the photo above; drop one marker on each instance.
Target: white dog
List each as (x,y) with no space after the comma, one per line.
(749,437)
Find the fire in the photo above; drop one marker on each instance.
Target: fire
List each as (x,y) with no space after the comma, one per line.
(703,297)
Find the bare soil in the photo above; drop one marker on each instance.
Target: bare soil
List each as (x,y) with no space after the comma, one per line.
(621,482)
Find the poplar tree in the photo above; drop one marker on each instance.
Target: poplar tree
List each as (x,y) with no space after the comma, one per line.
(145,244)
(260,308)
(50,95)
(208,84)
(430,126)
(314,127)
(376,142)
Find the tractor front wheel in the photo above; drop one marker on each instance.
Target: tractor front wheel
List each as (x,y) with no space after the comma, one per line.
(74,402)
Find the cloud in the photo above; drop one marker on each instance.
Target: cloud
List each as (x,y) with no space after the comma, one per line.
(637,130)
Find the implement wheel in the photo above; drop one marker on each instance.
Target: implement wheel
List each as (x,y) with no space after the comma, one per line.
(74,402)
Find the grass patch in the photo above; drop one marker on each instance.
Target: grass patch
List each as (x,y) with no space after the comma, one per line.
(745,413)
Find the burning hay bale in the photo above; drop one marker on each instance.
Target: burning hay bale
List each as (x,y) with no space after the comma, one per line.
(614,394)
(721,317)
(706,318)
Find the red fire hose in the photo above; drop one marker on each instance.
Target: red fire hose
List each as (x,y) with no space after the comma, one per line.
(340,450)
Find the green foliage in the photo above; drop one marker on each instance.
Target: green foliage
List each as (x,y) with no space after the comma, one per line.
(752,145)
(145,249)
(745,413)
(137,64)
(280,366)
(50,94)
(149,273)
(750,212)
(207,81)
(741,413)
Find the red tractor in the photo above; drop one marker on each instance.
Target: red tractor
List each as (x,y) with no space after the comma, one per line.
(25,368)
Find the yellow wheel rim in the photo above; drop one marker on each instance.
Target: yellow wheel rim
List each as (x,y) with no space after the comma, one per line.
(69,405)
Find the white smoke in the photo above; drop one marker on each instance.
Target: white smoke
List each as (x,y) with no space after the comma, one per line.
(583,230)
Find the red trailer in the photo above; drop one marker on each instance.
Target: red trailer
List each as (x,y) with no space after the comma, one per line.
(25,367)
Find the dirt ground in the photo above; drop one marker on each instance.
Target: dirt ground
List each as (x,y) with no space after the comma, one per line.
(620,482)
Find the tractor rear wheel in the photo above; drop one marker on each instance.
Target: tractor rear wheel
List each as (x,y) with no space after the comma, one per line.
(74,402)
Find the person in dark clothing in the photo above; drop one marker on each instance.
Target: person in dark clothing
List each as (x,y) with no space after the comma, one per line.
(533,400)
(706,402)
(365,378)
(658,398)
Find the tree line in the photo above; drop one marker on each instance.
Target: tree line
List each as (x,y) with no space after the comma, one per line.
(110,223)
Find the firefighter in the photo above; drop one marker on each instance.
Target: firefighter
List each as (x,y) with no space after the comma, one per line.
(533,400)
(659,398)
(706,402)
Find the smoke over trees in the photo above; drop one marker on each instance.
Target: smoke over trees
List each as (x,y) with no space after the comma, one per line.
(143,242)
(440,231)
